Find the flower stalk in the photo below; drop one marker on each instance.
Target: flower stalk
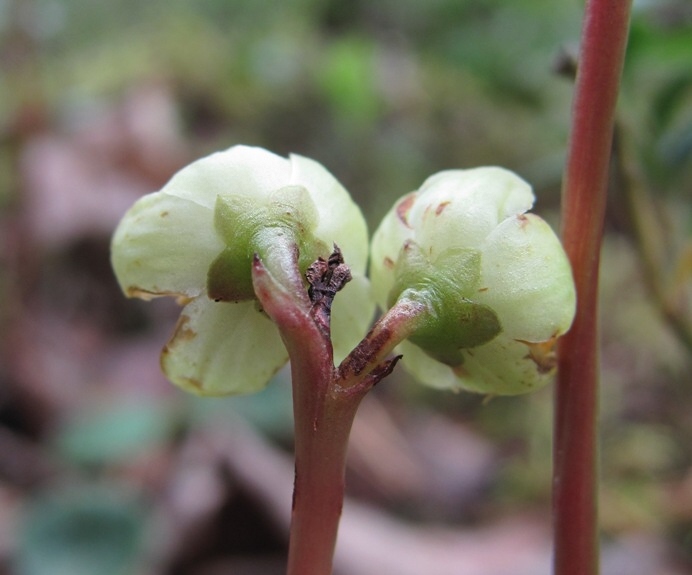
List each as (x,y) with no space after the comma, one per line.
(325,401)
(575,515)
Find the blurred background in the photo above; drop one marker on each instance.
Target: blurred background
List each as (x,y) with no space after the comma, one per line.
(106,469)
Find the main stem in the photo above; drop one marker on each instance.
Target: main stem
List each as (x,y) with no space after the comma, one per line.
(604,39)
(325,399)
(321,440)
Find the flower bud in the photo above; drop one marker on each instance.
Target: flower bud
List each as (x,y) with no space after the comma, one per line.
(495,281)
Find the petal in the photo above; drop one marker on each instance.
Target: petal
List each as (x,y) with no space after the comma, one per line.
(340,220)
(507,193)
(164,245)
(352,314)
(500,367)
(242,172)
(526,278)
(387,241)
(425,369)
(223,349)
(503,366)
(459,208)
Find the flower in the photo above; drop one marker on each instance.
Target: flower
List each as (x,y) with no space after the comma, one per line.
(496,282)
(195,240)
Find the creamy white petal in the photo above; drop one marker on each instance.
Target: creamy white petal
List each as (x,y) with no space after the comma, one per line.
(504,367)
(241,171)
(526,278)
(425,369)
(164,245)
(500,367)
(340,219)
(459,208)
(387,242)
(223,349)
(352,314)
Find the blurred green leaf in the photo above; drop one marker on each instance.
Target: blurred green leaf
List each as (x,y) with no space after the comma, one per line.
(85,532)
(650,43)
(114,434)
(347,78)
(270,410)
(675,93)
(676,147)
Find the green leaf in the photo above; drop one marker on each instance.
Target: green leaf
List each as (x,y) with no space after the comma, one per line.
(348,80)
(115,434)
(81,532)
(671,98)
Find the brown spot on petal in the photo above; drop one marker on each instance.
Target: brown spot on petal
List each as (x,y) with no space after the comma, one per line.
(523,220)
(388,263)
(542,354)
(404,207)
(441,208)
(148,295)
(145,294)
(460,371)
(164,213)
(183,332)
(191,383)
(483,289)
(133,291)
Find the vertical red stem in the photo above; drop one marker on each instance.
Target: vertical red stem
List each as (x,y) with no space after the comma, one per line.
(603,43)
(321,442)
(324,409)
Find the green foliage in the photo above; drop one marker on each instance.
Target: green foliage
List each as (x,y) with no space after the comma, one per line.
(270,410)
(347,78)
(116,433)
(81,532)
(657,85)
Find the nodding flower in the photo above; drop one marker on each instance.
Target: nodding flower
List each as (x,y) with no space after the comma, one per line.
(196,238)
(495,281)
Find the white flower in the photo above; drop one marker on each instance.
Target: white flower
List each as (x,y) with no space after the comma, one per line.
(495,279)
(195,240)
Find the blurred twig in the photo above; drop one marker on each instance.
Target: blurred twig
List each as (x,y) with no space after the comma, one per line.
(645,230)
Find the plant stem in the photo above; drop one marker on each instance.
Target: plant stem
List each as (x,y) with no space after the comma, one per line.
(322,424)
(398,323)
(321,440)
(325,399)
(604,38)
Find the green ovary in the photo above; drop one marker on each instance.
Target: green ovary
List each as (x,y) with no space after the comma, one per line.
(248,228)
(446,286)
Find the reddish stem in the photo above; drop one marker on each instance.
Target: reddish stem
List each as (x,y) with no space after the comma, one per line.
(604,38)
(324,402)
(321,440)
(322,424)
